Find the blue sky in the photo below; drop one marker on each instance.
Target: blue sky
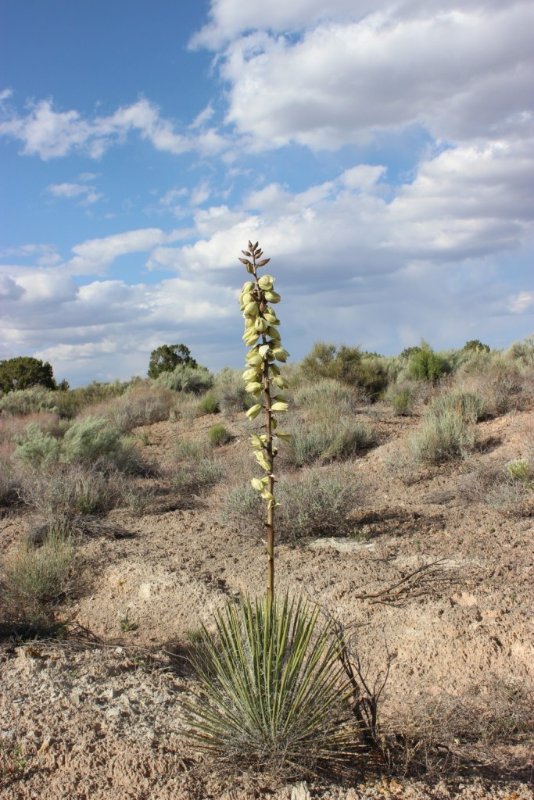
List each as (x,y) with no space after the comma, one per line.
(382,153)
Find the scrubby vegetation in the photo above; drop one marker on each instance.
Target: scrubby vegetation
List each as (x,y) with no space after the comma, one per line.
(78,464)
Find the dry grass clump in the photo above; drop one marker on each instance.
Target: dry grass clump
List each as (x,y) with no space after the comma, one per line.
(326,397)
(506,488)
(209,404)
(444,434)
(230,391)
(34,579)
(68,490)
(142,404)
(500,384)
(9,483)
(450,733)
(402,397)
(328,439)
(12,427)
(317,502)
(470,406)
(195,468)
(191,478)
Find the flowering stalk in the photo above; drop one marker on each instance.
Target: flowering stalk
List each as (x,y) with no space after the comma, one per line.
(263,380)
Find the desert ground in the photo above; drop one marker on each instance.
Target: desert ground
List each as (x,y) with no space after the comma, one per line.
(431,575)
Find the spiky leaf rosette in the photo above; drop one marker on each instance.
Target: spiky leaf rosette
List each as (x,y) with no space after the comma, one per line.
(272,692)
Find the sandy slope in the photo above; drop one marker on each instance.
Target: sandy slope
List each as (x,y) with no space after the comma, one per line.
(101,719)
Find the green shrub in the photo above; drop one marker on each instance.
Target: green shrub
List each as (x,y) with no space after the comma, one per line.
(37,448)
(218,435)
(328,439)
(425,364)
(402,397)
(230,390)
(35,578)
(373,376)
(142,404)
(271,689)
(470,406)
(326,397)
(317,503)
(519,470)
(523,352)
(365,371)
(88,440)
(21,402)
(442,437)
(209,404)
(185,378)
(91,439)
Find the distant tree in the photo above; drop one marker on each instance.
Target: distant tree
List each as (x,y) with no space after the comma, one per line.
(477,346)
(24,371)
(409,351)
(167,357)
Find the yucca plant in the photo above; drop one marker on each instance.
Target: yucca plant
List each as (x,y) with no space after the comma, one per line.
(272,690)
(263,381)
(271,686)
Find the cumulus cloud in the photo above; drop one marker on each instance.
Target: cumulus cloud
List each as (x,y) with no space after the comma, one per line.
(470,201)
(365,257)
(460,73)
(49,133)
(107,328)
(229,18)
(95,255)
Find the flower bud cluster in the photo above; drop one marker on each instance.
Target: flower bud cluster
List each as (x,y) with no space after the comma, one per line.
(262,374)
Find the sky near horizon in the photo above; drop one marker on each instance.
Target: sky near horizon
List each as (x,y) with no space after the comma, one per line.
(381,152)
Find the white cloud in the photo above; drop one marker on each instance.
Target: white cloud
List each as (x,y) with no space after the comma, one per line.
(43,255)
(200,193)
(522,303)
(464,72)
(81,191)
(469,201)
(95,255)
(48,133)
(107,329)
(10,289)
(229,18)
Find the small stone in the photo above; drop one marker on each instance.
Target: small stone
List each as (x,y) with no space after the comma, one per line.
(77,697)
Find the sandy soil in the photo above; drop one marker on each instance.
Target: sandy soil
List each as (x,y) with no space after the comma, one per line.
(98,714)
